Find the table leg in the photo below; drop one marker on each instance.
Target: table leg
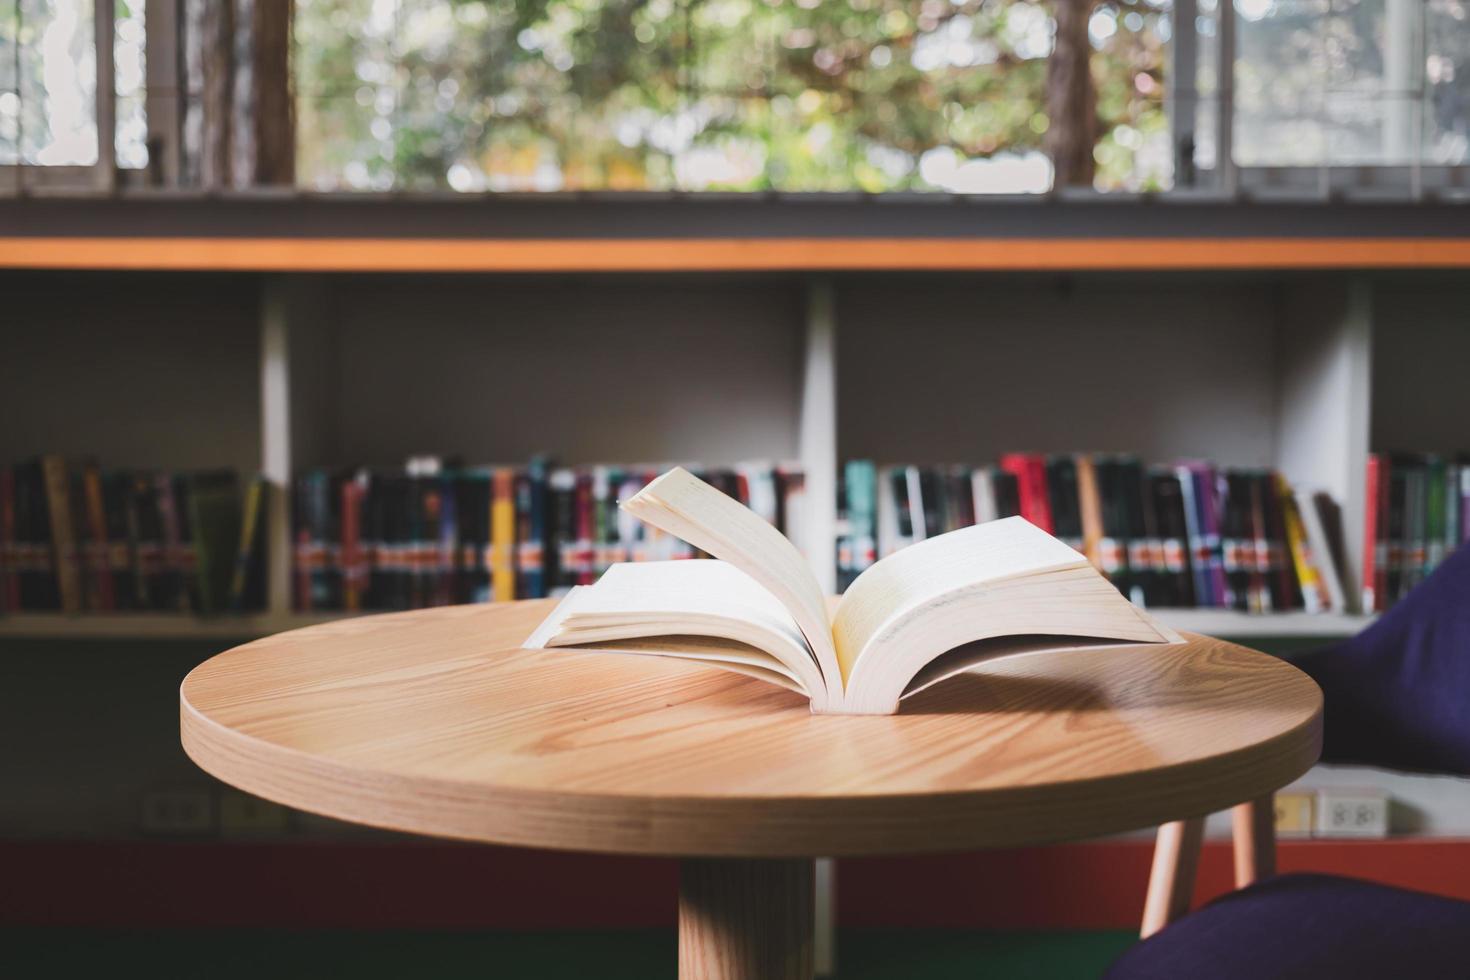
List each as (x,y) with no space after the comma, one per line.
(1171,883)
(743,919)
(1253,833)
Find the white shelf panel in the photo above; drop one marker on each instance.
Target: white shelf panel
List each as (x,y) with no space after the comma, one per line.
(154,625)
(1231,624)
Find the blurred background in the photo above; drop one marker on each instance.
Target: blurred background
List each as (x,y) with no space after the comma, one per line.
(978,97)
(293,295)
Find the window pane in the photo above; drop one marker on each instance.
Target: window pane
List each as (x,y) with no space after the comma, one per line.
(131,143)
(1281,82)
(9,98)
(58,82)
(1447,82)
(696,94)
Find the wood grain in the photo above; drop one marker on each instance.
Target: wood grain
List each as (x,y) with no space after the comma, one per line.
(1171,880)
(725,254)
(1253,831)
(742,919)
(436,722)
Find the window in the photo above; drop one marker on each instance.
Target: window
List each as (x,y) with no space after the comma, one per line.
(740,95)
(50,115)
(737,95)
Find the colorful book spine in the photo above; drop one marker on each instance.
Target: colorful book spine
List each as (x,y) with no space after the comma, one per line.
(1303,559)
(1029,469)
(96,560)
(9,556)
(503,535)
(63,533)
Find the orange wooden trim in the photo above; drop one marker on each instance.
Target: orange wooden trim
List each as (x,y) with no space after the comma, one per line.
(726,254)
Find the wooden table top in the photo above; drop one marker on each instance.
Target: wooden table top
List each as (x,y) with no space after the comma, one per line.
(436,722)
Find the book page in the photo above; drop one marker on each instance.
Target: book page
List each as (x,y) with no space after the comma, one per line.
(923,572)
(652,602)
(691,509)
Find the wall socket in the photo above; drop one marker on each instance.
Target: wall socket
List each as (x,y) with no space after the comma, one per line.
(1352,813)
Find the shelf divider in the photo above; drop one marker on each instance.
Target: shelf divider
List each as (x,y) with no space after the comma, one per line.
(817,439)
(275,437)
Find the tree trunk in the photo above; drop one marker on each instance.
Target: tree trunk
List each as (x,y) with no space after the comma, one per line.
(208,74)
(1071,99)
(239,126)
(264,124)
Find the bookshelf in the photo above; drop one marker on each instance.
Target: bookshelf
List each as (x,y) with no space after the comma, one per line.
(1286,335)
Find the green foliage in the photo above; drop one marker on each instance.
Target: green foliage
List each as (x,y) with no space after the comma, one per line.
(703,94)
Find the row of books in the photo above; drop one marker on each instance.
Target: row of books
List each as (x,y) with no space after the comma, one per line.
(1188,534)
(77,538)
(436,533)
(1417,511)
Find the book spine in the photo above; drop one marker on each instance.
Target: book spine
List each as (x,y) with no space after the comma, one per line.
(353,567)
(1173,557)
(502,535)
(9,557)
(301,550)
(63,533)
(1113,547)
(1313,590)
(1371,531)
(791,484)
(1029,469)
(1397,527)
(1063,500)
(99,590)
(562,485)
(1260,550)
(474,524)
(1414,529)
(188,550)
(1147,567)
(862,516)
(122,539)
(1434,514)
(1321,552)
(631,531)
(1451,507)
(914,487)
(586,572)
(1285,588)
(1194,535)
(247,582)
(903,514)
(446,586)
(528,545)
(1089,505)
(1464,496)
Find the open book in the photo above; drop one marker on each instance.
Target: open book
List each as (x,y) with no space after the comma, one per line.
(932,610)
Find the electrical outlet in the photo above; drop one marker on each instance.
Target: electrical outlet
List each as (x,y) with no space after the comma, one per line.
(243,815)
(1294,814)
(178,811)
(1352,813)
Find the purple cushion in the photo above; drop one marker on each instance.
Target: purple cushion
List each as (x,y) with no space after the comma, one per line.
(1298,927)
(1396,694)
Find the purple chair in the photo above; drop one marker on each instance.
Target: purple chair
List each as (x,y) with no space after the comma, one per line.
(1395,696)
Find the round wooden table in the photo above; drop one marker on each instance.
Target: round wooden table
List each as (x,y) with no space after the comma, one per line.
(437,722)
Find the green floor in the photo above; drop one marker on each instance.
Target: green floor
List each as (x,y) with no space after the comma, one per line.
(867,955)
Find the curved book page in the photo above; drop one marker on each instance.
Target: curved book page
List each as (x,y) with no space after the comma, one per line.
(1002,579)
(707,651)
(639,607)
(688,508)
